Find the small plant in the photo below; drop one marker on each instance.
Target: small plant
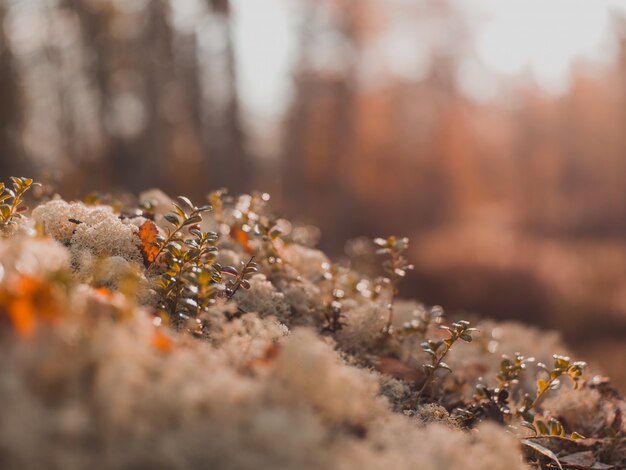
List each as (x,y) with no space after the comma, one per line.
(185,215)
(240,278)
(563,367)
(270,237)
(189,283)
(248,223)
(396,267)
(493,402)
(510,370)
(11,199)
(438,349)
(332,308)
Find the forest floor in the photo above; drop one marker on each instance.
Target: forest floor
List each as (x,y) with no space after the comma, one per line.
(153,333)
(575,286)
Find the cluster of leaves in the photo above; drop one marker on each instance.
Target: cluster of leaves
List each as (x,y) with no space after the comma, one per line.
(239,278)
(493,403)
(11,199)
(490,403)
(248,222)
(563,368)
(185,216)
(395,266)
(190,280)
(510,370)
(509,375)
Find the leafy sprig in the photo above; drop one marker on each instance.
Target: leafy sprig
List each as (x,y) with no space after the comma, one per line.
(185,215)
(239,278)
(189,283)
(396,267)
(438,349)
(563,367)
(11,199)
(510,370)
(332,308)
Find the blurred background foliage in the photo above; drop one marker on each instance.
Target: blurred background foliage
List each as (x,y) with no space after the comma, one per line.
(363,117)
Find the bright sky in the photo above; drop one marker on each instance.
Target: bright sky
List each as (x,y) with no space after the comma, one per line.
(539,39)
(544,37)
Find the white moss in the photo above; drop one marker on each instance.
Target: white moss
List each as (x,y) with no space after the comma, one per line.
(95,392)
(363,330)
(96,229)
(264,299)
(584,411)
(309,371)
(32,256)
(307,261)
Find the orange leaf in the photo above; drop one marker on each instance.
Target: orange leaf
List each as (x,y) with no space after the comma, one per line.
(23,317)
(148,235)
(104,292)
(161,342)
(31,300)
(241,237)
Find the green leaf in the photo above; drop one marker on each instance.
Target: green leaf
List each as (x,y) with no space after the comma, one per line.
(465,337)
(186,201)
(180,211)
(194,219)
(172,219)
(542,427)
(430,352)
(5,211)
(230,270)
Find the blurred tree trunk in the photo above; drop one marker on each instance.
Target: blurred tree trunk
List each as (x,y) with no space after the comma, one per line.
(299,117)
(318,151)
(156,60)
(94,20)
(230,162)
(12,160)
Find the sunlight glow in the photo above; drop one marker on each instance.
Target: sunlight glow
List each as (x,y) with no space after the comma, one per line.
(514,40)
(544,38)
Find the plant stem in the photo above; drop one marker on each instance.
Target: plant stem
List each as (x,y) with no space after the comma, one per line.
(540,393)
(431,375)
(240,278)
